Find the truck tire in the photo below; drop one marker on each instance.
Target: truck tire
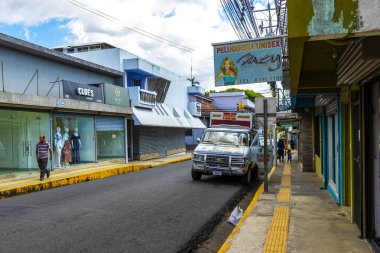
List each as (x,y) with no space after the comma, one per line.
(255,172)
(247,178)
(196,175)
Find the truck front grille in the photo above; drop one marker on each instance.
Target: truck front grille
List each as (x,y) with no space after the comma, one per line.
(217,161)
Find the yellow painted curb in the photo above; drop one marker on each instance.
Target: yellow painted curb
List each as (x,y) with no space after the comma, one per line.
(75,179)
(227,244)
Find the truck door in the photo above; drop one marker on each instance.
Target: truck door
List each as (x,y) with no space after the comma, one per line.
(257,152)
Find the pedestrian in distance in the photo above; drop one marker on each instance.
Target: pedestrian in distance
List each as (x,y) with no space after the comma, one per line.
(280,150)
(43,151)
(289,153)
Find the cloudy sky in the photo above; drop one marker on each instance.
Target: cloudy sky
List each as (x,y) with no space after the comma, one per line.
(193,24)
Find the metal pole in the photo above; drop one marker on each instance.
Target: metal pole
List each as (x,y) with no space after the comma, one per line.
(2,75)
(265,145)
(126,139)
(275,145)
(37,82)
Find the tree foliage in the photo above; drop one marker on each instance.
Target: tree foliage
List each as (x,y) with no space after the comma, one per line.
(250,94)
(192,81)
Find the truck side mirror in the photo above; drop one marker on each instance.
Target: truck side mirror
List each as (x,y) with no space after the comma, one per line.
(199,140)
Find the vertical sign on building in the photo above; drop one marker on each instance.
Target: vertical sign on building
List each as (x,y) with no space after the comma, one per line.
(246,62)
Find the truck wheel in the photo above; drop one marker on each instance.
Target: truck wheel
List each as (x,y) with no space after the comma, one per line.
(255,173)
(196,175)
(246,179)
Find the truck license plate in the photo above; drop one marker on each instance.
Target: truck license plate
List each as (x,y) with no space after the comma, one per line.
(217,173)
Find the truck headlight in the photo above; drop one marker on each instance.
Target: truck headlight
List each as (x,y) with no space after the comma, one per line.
(239,160)
(198,157)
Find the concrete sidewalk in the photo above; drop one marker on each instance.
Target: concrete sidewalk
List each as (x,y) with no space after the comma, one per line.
(77,174)
(294,216)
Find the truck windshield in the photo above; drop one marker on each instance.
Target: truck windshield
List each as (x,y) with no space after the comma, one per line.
(226,138)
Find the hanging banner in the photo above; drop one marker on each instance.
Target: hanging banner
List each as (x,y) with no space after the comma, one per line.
(250,61)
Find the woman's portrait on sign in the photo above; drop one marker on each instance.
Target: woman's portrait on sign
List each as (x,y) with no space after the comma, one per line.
(228,72)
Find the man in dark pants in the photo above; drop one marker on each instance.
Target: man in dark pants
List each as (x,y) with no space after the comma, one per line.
(42,153)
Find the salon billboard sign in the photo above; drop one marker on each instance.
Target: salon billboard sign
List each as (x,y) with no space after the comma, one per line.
(248,61)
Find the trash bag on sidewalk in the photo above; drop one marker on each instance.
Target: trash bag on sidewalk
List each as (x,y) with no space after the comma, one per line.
(235,216)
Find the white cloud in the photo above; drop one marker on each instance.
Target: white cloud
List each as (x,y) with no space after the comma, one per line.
(26,34)
(193,23)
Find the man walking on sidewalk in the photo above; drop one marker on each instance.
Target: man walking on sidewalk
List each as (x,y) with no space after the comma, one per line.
(42,153)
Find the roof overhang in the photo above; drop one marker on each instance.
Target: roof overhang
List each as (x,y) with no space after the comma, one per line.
(33,49)
(8,99)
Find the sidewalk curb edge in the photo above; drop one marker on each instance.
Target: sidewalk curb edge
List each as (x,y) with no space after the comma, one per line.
(49,184)
(227,244)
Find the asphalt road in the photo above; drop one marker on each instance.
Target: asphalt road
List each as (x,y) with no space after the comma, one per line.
(156,210)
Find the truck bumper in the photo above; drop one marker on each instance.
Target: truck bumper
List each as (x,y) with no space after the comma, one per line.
(233,171)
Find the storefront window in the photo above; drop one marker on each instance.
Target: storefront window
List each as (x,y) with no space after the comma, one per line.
(110,133)
(111,144)
(78,139)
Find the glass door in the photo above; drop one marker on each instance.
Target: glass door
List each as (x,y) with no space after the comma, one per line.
(21,146)
(333,153)
(19,132)
(37,124)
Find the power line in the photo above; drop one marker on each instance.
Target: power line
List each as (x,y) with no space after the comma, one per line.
(133,28)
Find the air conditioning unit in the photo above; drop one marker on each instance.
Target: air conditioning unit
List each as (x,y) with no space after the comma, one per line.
(195,108)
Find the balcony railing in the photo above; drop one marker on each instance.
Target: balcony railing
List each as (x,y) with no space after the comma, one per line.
(142,98)
(147,97)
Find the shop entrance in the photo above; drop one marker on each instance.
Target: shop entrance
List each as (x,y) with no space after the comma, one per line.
(357,175)
(332,149)
(19,132)
(373,175)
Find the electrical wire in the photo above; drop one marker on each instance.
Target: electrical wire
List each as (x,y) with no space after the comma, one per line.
(134,28)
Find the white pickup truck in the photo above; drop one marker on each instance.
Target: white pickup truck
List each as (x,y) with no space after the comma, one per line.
(230,147)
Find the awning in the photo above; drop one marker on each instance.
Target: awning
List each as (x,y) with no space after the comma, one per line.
(162,116)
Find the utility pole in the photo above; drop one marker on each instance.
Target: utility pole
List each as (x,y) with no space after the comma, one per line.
(265,145)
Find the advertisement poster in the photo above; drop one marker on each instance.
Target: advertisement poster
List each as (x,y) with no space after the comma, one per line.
(246,62)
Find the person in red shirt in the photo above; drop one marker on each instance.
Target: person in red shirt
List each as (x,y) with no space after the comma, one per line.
(42,153)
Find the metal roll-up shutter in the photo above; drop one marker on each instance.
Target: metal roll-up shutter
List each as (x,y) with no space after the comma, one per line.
(332,107)
(109,123)
(162,142)
(144,141)
(181,139)
(153,140)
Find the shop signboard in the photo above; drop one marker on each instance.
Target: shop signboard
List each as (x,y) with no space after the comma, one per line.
(116,95)
(249,61)
(83,92)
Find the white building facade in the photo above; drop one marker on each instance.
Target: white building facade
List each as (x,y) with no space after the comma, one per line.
(159,100)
